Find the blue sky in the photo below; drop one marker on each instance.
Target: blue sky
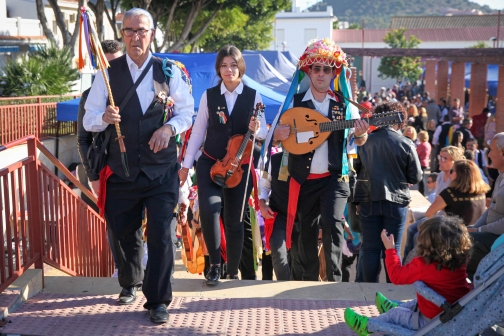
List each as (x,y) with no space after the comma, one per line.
(494,4)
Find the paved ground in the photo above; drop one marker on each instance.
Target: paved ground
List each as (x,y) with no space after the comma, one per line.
(67,314)
(87,306)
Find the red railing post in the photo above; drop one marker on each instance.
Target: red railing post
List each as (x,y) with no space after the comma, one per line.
(35,215)
(39,118)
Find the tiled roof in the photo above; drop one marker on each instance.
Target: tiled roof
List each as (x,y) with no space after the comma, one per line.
(425,35)
(455,21)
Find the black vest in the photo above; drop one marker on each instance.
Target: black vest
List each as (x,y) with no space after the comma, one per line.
(279,195)
(299,165)
(136,127)
(218,133)
(443,136)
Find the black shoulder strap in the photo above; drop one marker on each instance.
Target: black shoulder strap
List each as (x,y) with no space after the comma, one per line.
(134,87)
(108,130)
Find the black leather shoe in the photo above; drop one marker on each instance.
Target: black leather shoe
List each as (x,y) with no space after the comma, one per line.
(158,313)
(127,295)
(234,277)
(213,275)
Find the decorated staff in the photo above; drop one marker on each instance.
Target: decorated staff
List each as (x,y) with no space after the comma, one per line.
(99,61)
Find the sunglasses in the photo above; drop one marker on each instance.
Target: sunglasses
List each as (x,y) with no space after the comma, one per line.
(327,69)
(442,158)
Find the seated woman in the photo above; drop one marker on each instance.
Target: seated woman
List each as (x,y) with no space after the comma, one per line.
(446,158)
(465,198)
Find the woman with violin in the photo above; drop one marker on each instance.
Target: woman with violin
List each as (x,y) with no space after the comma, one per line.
(225,110)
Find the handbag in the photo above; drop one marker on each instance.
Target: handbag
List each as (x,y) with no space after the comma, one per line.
(98,151)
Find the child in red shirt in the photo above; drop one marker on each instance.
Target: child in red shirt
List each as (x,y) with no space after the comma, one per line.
(443,250)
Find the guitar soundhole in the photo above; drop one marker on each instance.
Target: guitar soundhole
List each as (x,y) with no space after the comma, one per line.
(316,124)
(316,133)
(311,142)
(307,116)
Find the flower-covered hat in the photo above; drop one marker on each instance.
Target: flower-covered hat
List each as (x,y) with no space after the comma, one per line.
(322,51)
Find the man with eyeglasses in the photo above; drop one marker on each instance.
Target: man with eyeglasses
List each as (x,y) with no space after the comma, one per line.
(318,182)
(490,226)
(152,181)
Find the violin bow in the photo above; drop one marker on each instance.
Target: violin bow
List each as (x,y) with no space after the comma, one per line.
(248,172)
(359,106)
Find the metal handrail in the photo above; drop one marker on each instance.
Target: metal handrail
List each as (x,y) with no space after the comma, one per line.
(54,161)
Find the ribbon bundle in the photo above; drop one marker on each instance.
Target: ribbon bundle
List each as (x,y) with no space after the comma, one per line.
(89,34)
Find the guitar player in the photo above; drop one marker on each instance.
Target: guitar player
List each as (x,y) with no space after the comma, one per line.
(319,179)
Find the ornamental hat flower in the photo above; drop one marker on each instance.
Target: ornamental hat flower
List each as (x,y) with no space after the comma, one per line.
(322,51)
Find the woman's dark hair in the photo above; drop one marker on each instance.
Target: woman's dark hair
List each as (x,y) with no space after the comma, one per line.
(455,138)
(236,54)
(444,240)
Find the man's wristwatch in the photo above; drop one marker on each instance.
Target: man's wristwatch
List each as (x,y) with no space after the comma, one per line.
(173,130)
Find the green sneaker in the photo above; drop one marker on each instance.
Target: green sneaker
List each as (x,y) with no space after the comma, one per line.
(356,322)
(383,304)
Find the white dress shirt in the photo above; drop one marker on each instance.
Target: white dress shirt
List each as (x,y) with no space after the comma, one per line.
(320,161)
(437,133)
(179,90)
(200,125)
(265,185)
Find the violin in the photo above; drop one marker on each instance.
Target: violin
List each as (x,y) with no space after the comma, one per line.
(227,173)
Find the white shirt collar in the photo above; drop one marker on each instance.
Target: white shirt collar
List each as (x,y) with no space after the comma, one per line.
(238,90)
(131,63)
(309,96)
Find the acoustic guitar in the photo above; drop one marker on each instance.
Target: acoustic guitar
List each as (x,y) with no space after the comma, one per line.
(309,129)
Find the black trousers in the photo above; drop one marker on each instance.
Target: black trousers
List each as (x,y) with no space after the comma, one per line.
(325,197)
(123,210)
(286,263)
(482,244)
(295,264)
(211,197)
(346,266)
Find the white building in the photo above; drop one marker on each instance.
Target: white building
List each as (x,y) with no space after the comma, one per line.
(21,31)
(293,30)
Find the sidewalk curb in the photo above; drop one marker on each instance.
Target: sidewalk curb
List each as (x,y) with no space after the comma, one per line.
(26,286)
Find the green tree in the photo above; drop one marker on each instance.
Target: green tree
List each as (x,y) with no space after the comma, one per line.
(208,23)
(246,27)
(47,71)
(399,67)
(354,26)
(479,45)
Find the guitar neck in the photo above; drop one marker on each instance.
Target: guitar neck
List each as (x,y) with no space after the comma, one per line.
(337,125)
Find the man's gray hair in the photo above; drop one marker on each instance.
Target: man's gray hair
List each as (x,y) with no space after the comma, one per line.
(499,140)
(136,12)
